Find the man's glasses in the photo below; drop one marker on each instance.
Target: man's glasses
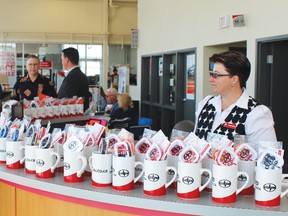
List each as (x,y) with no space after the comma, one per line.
(33,64)
(216,75)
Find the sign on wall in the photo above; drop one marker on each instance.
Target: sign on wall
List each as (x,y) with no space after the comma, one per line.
(123,72)
(190,74)
(7,61)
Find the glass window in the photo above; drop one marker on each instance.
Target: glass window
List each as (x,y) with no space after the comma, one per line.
(90,58)
(94,51)
(93,68)
(82,51)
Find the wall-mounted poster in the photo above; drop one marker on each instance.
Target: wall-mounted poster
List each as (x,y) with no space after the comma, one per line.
(123,72)
(190,76)
(8,61)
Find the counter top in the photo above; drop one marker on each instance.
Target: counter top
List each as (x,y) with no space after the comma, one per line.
(134,201)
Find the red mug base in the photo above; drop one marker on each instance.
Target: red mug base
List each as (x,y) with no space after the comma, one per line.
(273,202)
(228,199)
(46,174)
(74,178)
(129,186)
(2,162)
(96,184)
(16,165)
(158,192)
(190,195)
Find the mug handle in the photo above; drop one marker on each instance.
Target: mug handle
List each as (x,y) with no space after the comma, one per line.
(174,177)
(84,164)
(57,160)
(285,191)
(246,182)
(140,175)
(209,179)
(22,148)
(90,163)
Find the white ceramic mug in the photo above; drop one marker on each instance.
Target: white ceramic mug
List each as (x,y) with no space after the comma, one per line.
(123,173)
(155,177)
(74,166)
(268,187)
(224,183)
(189,179)
(46,161)
(101,166)
(14,154)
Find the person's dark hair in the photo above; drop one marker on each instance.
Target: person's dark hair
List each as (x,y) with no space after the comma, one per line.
(235,63)
(72,54)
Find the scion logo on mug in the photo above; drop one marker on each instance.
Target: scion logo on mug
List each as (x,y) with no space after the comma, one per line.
(269,187)
(40,163)
(224,183)
(153,177)
(123,173)
(188,180)
(9,154)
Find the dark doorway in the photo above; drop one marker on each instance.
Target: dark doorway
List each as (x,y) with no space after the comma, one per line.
(272,76)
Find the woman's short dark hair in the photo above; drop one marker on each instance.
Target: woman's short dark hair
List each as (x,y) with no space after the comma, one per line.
(236,63)
(72,54)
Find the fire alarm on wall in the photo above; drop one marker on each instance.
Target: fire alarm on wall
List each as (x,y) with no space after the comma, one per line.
(238,20)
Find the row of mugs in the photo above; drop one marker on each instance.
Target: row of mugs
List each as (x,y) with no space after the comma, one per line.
(42,162)
(123,172)
(191,178)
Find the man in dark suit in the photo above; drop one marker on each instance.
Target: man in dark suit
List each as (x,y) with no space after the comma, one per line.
(75,82)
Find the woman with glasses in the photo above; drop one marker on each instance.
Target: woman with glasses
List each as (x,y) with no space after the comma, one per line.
(33,83)
(231,110)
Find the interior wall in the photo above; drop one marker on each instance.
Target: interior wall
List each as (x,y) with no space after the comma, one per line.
(166,25)
(67,21)
(62,16)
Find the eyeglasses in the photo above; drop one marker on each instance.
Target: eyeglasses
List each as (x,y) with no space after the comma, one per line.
(33,64)
(216,75)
